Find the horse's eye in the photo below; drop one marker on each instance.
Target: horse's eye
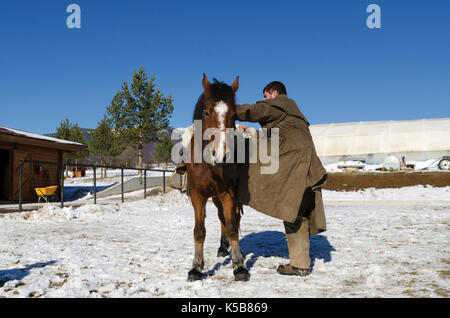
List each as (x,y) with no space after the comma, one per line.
(206,113)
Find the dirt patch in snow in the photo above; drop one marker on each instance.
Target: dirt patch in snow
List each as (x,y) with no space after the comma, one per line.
(353,181)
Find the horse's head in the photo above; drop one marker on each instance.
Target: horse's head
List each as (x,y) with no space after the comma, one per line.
(216,109)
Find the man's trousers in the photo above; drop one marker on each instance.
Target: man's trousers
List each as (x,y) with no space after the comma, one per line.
(297,233)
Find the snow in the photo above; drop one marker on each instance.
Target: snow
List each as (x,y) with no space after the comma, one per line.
(144,248)
(406,194)
(36,136)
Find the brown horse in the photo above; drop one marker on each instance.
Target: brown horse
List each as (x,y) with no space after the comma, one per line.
(215,108)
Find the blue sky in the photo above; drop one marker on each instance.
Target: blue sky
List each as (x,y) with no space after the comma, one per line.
(333,65)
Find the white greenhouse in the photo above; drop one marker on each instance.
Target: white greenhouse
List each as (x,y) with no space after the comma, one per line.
(373,141)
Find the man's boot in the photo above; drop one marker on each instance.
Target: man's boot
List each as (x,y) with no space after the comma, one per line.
(288,269)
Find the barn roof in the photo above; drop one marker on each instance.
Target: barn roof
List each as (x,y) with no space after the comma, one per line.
(382,137)
(11,135)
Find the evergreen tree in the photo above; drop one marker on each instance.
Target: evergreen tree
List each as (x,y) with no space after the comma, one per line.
(72,132)
(104,142)
(64,129)
(163,150)
(76,135)
(140,113)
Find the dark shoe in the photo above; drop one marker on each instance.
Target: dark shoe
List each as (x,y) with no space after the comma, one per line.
(288,269)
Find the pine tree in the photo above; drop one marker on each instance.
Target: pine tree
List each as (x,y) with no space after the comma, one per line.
(138,115)
(76,135)
(63,131)
(163,150)
(104,142)
(72,132)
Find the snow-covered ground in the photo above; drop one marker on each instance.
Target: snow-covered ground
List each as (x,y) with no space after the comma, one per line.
(416,193)
(144,248)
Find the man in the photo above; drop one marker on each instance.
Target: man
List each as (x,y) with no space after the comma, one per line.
(293,193)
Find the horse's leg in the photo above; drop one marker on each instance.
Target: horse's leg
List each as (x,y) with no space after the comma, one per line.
(224,244)
(199,204)
(232,219)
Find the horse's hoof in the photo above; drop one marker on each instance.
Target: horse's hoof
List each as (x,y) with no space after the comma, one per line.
(194,274)
(222,252)
(241,274)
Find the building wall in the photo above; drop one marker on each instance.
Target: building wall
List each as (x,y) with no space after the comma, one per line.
(415,139)
(34,176)
(382,137)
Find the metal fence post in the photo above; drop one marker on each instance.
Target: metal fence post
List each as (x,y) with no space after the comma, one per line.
(164,181)
(145,184)
(123,200)
(63,168)
(95,184)
(20,184)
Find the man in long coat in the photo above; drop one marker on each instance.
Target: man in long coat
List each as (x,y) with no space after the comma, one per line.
(293,193)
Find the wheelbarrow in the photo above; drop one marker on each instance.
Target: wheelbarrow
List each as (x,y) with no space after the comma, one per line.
(46,193)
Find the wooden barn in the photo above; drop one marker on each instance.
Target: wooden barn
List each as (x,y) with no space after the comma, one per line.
(17,145)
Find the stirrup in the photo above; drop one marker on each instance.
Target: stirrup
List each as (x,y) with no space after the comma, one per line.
(183,180)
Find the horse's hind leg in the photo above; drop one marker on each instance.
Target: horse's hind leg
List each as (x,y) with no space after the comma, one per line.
(199,204)
(224,243)
(224,246)
(232,219)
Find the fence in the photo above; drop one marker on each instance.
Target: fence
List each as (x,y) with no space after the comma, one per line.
(63,167)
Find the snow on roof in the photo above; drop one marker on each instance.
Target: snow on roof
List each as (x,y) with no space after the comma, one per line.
(374,137)
(16,132)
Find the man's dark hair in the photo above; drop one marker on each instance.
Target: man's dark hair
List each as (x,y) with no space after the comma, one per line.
(275,86)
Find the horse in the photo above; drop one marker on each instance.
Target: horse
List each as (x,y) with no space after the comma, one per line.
(215,108)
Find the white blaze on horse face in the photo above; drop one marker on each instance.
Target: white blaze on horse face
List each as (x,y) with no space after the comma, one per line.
(221,110)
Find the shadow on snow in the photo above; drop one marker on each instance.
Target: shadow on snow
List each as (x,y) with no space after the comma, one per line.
(73,193)
(20,273)
(273,244)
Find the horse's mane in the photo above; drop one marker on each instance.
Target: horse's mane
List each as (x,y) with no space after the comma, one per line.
(219,91)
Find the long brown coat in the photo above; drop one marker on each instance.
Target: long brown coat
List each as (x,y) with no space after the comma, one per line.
(279,195)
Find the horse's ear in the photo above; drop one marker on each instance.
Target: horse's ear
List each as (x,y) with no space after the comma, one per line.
(235,84)
(206,84)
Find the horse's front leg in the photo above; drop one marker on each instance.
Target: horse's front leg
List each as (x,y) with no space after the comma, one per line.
(224,244)
(199,204)
(232,219)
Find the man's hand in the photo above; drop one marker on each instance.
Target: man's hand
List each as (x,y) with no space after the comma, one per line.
(241,128)
(244,129)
